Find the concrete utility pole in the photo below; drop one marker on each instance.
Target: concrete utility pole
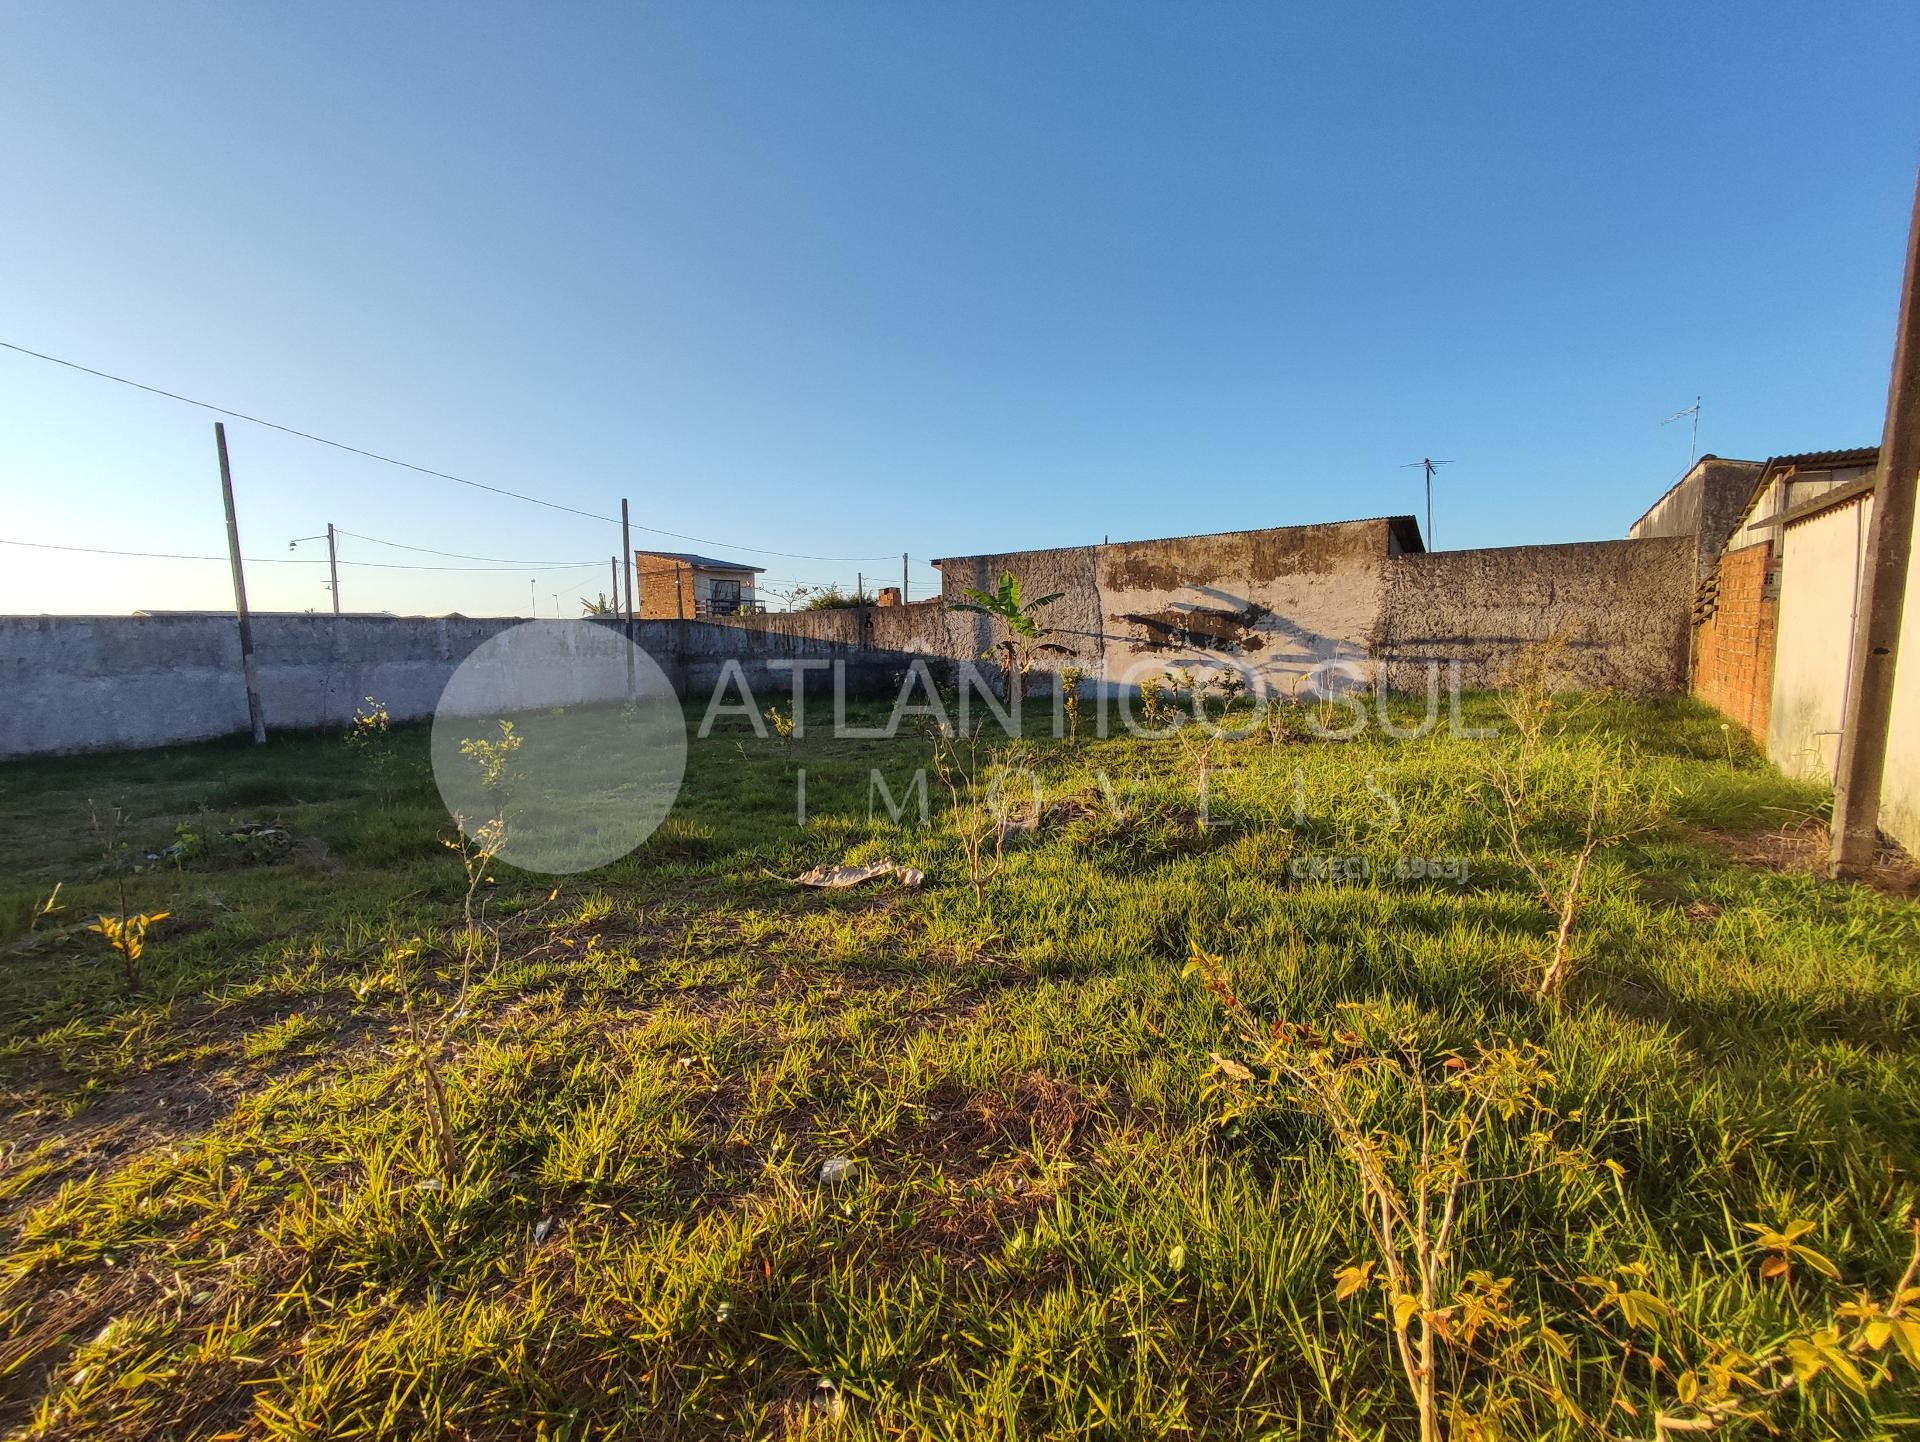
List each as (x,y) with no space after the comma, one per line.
(247,666)
(626,549)
(903,578)
(333,562)
(1883,589)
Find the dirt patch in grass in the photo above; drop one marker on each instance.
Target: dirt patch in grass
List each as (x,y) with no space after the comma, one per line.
(1804,847)
(995,1160)
(66,1134)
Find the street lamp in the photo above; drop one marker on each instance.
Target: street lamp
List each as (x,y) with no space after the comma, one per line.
(333,561)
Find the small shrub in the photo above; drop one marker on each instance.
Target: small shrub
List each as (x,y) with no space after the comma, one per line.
(1156,708)
(126,936)
(1070,680)
(370,737)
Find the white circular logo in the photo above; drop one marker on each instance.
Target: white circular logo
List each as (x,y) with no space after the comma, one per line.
(559,745)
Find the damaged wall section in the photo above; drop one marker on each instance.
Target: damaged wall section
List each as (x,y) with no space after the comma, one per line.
(1274,602)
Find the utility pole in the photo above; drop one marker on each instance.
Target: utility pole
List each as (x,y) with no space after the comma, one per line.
(333,563)
(903,578)
(859,585)
(613,596)
(248,667)
(626,552)
(626,555)
(1868,705)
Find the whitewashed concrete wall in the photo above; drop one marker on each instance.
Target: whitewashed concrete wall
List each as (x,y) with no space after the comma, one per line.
(122,683)
(1820,570)
(1820,574)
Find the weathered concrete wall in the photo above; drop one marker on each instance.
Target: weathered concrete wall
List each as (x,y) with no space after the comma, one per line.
(1705,504)
(1621,606)
(102,683)
(1279,603)
(922,627)
(1275,603)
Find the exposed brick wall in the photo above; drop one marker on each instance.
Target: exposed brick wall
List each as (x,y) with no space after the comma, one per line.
(663,588)
(1733,642)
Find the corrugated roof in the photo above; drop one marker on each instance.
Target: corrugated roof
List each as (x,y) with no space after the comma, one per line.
(702,563)
(1804,461)
(1821,460)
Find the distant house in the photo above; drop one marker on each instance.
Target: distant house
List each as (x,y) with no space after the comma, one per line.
(1728,505)
(1788,541)
(1739,512)
(677,585)
(1706,503)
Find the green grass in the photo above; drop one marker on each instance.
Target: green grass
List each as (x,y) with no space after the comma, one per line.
(221,1201)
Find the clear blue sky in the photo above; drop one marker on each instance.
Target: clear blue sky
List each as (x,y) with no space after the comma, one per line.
(854,280)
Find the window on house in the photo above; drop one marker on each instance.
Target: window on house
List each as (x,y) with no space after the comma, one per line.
(726,597)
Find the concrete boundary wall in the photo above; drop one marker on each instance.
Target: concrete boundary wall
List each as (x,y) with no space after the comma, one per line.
(1280,603)
(1622,608)
(117,683)
(923,628)
(1277,603)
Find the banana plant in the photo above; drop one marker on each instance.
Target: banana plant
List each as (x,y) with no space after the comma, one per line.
(1023,639)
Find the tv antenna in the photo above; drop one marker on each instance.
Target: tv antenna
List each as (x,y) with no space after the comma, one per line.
(1429,465)
(1693,451)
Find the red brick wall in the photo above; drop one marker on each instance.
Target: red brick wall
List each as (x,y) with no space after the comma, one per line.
(663,588)
(1733,646)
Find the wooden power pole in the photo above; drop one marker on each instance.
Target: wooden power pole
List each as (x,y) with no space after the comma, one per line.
(1883,587)
(248,667)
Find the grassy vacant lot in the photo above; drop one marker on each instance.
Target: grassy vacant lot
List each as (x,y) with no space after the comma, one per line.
(225,1211)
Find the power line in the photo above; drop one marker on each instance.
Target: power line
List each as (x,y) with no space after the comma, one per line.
(410,466)
(292,560)
(455,555)
(304,435)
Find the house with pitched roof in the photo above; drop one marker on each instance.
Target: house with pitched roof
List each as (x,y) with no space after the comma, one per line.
(682,586)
